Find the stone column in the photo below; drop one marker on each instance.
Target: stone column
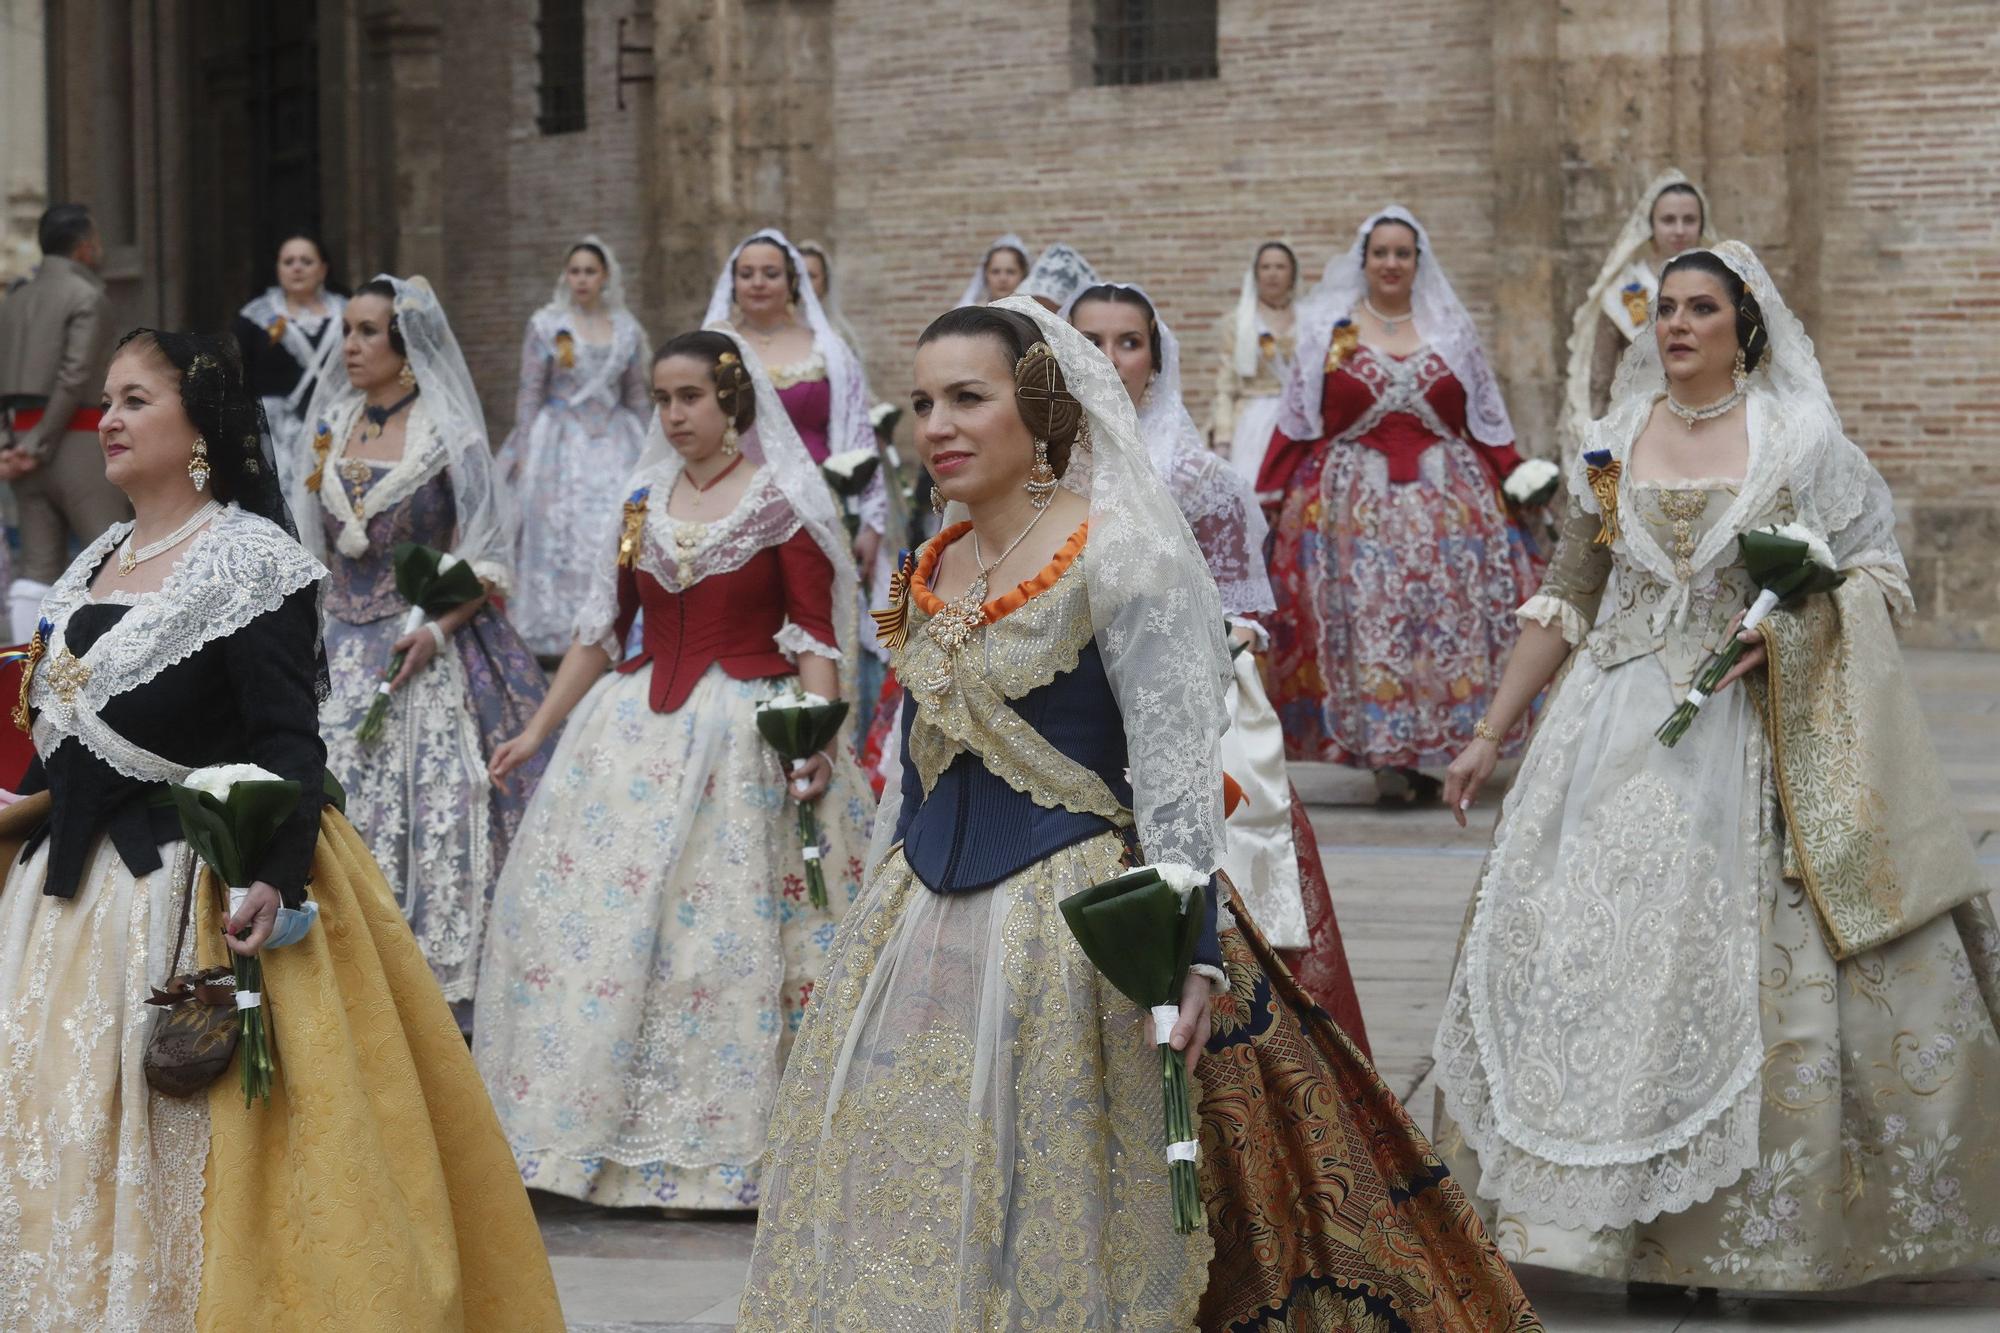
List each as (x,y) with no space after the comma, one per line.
(1593,98)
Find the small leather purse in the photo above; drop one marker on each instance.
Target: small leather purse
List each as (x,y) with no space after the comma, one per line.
(194,1035)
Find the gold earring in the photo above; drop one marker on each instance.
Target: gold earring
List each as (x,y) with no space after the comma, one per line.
(1041,482)
(1739,374)
(198,465)
(937,500)
(407,377)
(729,440)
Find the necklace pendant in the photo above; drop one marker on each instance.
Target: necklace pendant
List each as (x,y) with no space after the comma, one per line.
(126,562)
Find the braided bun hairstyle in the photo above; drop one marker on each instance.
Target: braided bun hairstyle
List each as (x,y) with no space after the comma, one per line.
(735,394)
(1047,407)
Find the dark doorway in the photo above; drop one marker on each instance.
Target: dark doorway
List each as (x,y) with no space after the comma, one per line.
(256,160)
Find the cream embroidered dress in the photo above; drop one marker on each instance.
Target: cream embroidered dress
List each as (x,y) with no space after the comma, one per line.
(1656,1061)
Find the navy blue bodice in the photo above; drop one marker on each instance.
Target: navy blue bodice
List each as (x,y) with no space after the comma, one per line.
(974,830)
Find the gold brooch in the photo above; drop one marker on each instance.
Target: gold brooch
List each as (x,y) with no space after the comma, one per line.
(67,675)
(565,349)
(1634,297)
(631,535)
(1341,346)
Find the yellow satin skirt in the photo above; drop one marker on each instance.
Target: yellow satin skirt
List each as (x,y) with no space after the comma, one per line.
(376,1190)
(373,1191)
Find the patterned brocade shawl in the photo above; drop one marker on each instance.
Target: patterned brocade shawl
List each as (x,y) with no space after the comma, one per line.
(1873,833)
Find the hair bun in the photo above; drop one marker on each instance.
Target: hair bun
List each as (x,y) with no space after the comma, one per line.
(1051,411)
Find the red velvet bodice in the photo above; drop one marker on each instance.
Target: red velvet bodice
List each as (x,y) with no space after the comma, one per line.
(731,620)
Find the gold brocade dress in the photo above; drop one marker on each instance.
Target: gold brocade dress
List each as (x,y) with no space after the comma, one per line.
(969,1136)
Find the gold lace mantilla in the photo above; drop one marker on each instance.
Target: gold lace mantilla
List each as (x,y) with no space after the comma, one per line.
(961,682)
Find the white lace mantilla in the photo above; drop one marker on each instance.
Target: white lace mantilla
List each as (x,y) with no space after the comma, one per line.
(236,569)
(424,456)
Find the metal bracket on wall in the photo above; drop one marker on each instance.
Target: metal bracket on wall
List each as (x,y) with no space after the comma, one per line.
(630,49)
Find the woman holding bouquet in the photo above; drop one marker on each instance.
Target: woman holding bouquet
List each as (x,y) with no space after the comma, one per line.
(1272,856)
(363,1192)
(400,455)
(579,423)
(970,1130)
(1395,565)
(1725,1011)
(653,941)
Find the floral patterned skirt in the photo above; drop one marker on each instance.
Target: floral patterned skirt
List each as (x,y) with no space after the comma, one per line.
(569,468)
(1395,606)
(651,948)
(970,1133)
(100,1176)
(437,826)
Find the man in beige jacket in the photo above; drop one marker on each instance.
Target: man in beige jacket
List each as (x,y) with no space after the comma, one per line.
(55,346)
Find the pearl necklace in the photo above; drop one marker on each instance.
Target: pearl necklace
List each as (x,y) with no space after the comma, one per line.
(130,559)
(1691,415)
(1388,325)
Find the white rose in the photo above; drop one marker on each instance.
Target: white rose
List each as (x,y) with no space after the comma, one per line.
(879,413)
(791,698)
(1528,479)
(448,562)
(844,465)
(218,779)
(1816,547)
(1183,880)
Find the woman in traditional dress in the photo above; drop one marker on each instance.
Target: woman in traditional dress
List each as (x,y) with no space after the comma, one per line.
(579,424)
(999,272)
(370,1190)
(648,963)
(970,1130)
(1725,1012)
(1272,855)
(764,293)
(1255,359)
(400,455)
(288,336)
(1396,566)
(1672,216)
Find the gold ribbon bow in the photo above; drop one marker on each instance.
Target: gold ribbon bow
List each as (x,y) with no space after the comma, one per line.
(631,536)
(1345,339)
(892,622)
(322,446)
(1603,478)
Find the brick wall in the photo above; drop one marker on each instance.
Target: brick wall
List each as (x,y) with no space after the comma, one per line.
(952,131)
(1909,332)
(516,199)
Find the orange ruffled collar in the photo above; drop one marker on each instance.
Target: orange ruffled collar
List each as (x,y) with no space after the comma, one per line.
(930,603)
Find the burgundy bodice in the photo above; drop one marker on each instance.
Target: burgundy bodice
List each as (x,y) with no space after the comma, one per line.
(731,620)
(1402,437)
(809,403)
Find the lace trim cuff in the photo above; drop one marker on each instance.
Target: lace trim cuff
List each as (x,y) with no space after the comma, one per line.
(1547,609)
(793,640)
(1215,975)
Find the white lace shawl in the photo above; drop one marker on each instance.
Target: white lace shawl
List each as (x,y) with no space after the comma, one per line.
(1796,441)
(446,429)
(1214,498)
(1627,256)
(1440,316)
(628,339)
(786,494)
(269,307)
(1156,617)
(236,569)
(1058,274)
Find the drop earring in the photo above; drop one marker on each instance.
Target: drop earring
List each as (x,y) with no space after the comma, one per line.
(937,500)
(1739,374)
(1041,482)
(730,440)
(198,465)
(406,376)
